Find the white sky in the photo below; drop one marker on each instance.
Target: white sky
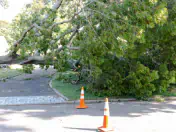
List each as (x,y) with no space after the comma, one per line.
(14,8)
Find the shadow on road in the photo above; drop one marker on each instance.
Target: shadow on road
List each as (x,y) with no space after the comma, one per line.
(126,109)
(63,111)
(5,128)
(82,129)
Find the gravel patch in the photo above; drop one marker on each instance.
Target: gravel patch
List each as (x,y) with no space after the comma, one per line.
(30,100)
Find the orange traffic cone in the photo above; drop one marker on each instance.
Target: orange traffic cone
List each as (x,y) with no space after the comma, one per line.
(82,104)
(105,127)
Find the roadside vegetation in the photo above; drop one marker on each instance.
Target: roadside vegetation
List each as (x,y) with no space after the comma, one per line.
(65,84)
(8,73)
(117,49)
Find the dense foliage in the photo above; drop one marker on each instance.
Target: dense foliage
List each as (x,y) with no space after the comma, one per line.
(126,48)
(130,48)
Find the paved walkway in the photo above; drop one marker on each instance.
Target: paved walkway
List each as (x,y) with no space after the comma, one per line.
(125,117)
(34,87)
(29,89)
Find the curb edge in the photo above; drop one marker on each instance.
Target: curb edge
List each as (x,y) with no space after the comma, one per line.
(67,101)
(57,92)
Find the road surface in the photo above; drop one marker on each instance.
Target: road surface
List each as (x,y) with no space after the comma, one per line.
(125,117)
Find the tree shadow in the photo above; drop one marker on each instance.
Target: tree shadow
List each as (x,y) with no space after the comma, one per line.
(62,111)
(123,109)
(82,129)
(6,128)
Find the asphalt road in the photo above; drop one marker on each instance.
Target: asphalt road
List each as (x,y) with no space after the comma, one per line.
(29,89)
(124,117)
(35,84)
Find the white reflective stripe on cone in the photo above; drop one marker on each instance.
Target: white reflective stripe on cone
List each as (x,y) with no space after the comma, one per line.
(106,109)
(82,97)
(106,112)
(106,105)
(82,91)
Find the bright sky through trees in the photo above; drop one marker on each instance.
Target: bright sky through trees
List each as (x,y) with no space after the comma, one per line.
(14,8)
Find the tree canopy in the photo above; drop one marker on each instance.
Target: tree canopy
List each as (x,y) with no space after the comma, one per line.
(123,48)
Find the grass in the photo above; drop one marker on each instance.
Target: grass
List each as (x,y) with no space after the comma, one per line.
(8,73)
(72,91)
(171,93)
(28,79)
(158,98)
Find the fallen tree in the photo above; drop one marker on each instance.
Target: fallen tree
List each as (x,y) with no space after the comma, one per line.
(42,26)
(12,57)
(125,48)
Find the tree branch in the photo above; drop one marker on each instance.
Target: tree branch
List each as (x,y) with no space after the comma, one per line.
(73,48)
(23,35)
(40,59)
(72,36)
(33,60)
(30,60)
(37,26)
(70,48)
(67,32)
(57,5)
(6,59)
(69,20)
(62,35)
(58,23)
(54,8)
(11,58)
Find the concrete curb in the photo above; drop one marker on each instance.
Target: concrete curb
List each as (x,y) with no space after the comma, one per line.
(170,98)
(165,98)
(32,104)
(57,92)
(116,100)
(72,102)
(100,101)
(93,101)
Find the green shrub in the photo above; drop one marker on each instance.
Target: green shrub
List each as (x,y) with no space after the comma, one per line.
(166,78)
(68,76)
(28,68)
(140,82)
